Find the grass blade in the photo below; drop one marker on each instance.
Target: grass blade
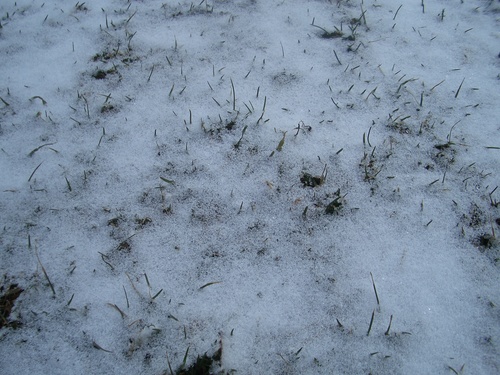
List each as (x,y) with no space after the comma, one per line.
(38,148)
(97,346)
(375,289)
(388,328)
(45,272)
(157,294)
(185,357)
(4,102)
(169,365)
(67,183)
(123,315)
(459,87)
(211,283)
(171,182)
(70,300)
(371,323)
(126,296)
(38,166)
(234,95)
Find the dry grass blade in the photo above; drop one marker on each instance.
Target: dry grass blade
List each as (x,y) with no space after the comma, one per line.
(170,316)
(169,365)
(70,300)
(234,95)
(185,357)
(45,272)
(371,323)
(329,34)
(459,87)
(32,173)
(97,346)
(133,285)
(157,294)
(44,102)
(171,182)
(375,289)
(104,257)
(68,184)
(38,148)
(4,102)
(389,328)
(123,315)
(338,60)
(208,284)
(282,143)
(126,296)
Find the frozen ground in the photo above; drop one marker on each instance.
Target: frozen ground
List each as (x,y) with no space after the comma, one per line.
(182,177)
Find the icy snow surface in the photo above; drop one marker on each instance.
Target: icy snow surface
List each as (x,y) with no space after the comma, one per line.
(310,186)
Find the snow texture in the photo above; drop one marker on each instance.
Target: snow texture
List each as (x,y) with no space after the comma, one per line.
(308,185)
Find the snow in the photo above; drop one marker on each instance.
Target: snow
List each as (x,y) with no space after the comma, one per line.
(167,213)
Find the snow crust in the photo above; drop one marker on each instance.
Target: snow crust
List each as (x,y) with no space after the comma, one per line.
(151,162)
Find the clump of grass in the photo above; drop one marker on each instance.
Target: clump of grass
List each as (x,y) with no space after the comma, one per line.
(371,171)
(201,366)
(7,303)
(310,180)
(329,34)
(108,108)
(100,74)
(487,240)
(336,205)
(313,181)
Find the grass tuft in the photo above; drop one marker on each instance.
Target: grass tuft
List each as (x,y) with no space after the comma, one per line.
(6,303)
(329,34)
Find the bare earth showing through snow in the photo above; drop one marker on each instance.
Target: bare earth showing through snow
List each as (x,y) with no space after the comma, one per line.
(259,187)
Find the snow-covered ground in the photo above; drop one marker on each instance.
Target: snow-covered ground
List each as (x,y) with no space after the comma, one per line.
(303,187)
